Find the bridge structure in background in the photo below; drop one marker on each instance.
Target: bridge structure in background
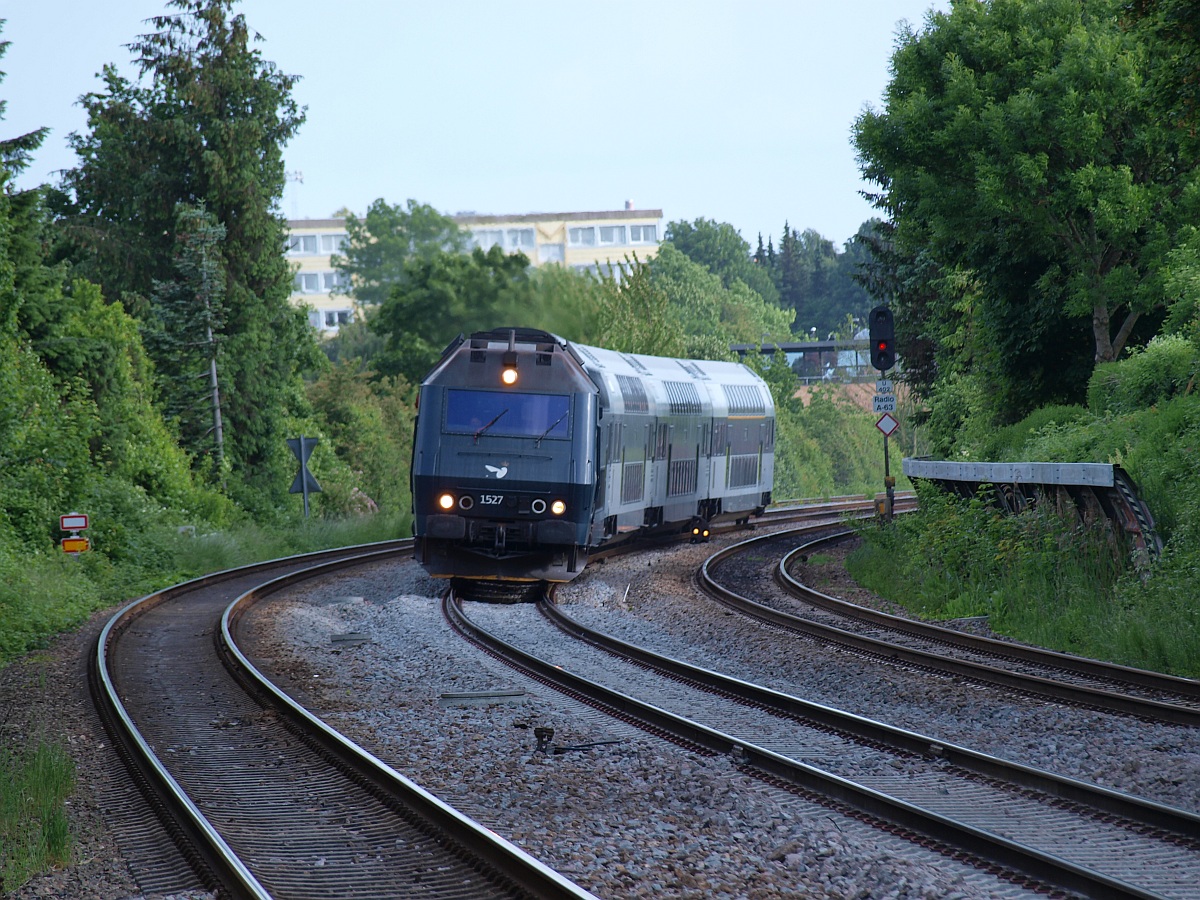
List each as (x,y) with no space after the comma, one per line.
(816,361)
(1092,489)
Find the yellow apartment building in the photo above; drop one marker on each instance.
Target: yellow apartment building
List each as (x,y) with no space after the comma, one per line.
(585,241)
(316,284)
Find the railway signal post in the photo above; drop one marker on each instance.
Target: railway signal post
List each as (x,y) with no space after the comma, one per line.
(883,357)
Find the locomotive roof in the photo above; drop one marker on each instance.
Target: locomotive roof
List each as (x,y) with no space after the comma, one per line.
(660,368)
(664,367)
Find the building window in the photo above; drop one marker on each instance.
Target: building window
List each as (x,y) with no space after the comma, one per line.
(336,317)
(581,237)
(314,318)
(332,243)
(643,234)
(302,245)
(551,253)
(520,239)
(331,281)
(612,234)
(307,283)
(487,238)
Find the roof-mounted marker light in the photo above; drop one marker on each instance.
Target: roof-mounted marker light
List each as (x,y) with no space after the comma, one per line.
(508,374)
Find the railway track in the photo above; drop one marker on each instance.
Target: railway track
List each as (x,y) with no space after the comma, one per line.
(262,798)
(1027,670)
(1028,826)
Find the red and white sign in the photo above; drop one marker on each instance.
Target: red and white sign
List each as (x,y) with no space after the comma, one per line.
(887,424)
(73,522)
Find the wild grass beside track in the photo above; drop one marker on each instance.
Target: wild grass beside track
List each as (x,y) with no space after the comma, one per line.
(34,833)
(43,595)
(1038,577)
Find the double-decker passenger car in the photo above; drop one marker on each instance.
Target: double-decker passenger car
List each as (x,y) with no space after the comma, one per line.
(532,451)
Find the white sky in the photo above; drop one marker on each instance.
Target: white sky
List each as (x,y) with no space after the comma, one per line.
(722,109)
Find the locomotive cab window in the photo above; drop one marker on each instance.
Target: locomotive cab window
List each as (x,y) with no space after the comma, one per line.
(506,414)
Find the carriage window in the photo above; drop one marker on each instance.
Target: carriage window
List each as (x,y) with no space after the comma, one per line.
(506,414)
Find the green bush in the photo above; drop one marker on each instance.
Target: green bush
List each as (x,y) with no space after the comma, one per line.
(1040,578)
(1009,444)
(1165,368)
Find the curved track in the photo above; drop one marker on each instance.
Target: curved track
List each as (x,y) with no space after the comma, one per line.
(266,801)
(1017,821)
(1029,670)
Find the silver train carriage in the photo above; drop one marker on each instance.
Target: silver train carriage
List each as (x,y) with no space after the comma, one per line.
(531,452)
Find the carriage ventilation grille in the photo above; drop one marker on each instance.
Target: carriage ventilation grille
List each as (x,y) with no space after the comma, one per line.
(744,400)
(743,471)
(685,399)
(683,477)
(632,479)
(633,393)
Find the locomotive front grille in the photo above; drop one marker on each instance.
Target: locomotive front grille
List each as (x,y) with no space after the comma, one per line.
(506,536)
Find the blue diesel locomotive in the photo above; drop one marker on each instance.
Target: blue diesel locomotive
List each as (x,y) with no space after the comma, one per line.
(532,451)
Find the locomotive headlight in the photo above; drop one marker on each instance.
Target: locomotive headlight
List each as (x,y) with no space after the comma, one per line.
(509,373)
(558,507)
(446,501)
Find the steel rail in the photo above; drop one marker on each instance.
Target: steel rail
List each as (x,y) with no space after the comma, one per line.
(1135,809)
(218,864)
(1082,695)
(983,845)
(1186,688)
(505,857)
(205,846)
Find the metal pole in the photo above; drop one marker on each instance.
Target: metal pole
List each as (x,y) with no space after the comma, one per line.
(888,483)
(303,475)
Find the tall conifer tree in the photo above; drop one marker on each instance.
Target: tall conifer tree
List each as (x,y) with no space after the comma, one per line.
(205,125)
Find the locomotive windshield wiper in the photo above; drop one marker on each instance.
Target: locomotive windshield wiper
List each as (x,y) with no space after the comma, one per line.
(484,428)
(538,442)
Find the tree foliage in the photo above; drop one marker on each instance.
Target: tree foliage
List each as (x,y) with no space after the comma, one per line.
(369,424)
(205,126)
(721,249)
(1018,151)
(441,296)
(189,312)
(380,244)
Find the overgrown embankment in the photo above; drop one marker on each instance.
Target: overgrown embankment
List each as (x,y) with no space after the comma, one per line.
(1058,582)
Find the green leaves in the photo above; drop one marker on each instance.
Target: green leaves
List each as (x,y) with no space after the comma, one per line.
(1018,147)
(380,244)
(207,131)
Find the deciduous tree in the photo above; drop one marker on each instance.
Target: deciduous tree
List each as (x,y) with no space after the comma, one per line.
(441,296)
(1017,147)
(388,236)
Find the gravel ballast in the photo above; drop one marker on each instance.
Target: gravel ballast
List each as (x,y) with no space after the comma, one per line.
(640,817)
(620,812)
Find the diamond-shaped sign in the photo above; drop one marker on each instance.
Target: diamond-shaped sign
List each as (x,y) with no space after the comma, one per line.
(887,424)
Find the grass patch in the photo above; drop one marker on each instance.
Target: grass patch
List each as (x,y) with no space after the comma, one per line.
(43,595)
(34,834)
(1039,577)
